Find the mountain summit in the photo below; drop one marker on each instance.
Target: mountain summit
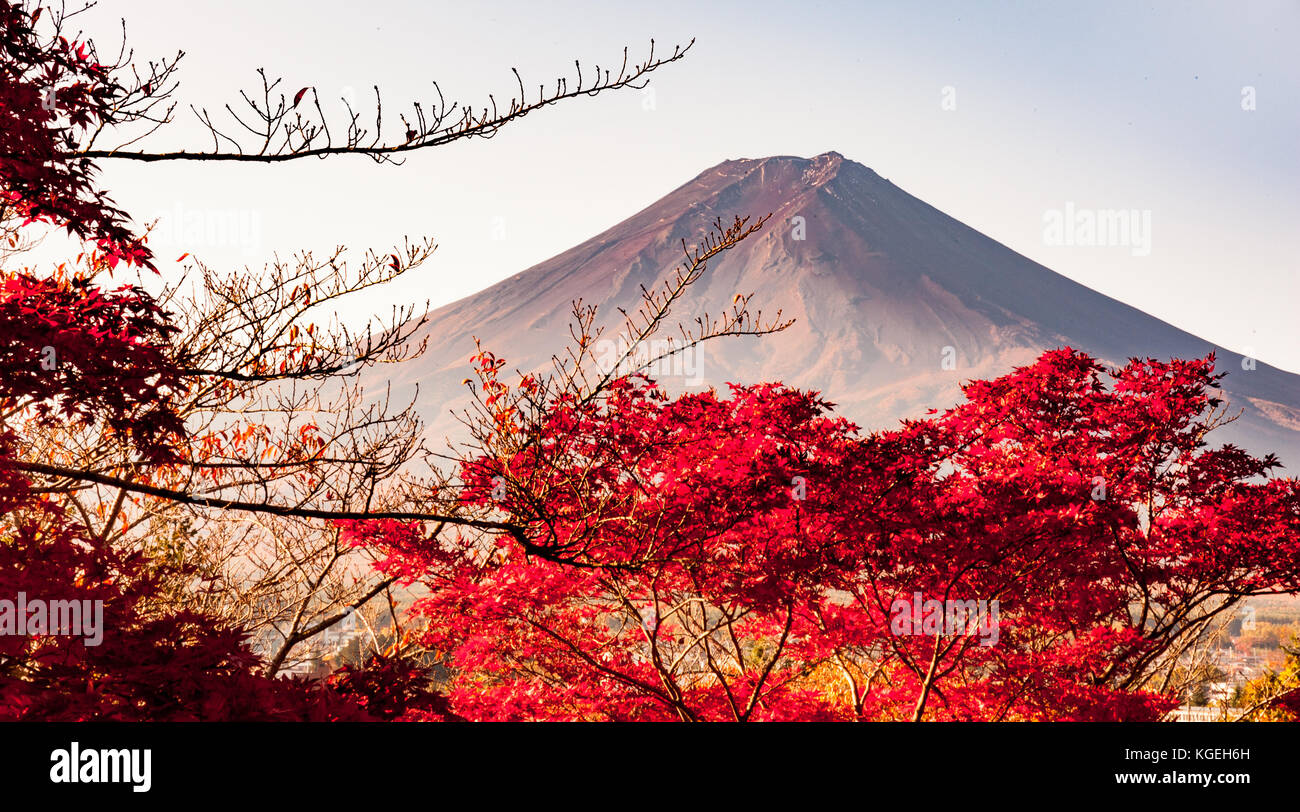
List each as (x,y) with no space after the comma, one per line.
(895,302)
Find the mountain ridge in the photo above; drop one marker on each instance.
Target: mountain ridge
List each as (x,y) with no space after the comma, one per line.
(886,290)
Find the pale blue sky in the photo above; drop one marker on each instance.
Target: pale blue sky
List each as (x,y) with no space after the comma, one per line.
(1105,105)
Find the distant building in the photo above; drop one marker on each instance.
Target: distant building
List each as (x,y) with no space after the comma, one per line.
(1201,713)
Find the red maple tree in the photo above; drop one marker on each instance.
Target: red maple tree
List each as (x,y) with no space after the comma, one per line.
(710,558)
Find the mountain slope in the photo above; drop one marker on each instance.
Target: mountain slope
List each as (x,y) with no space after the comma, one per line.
(884,287)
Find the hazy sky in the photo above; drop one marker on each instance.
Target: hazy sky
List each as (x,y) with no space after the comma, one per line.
(1097,105)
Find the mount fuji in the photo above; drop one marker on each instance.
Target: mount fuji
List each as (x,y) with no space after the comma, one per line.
(895,303)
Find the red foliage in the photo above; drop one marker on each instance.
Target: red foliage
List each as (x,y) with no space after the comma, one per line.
(71,352)
(147,663)
(52,93)
(740,558)
(390,688)
(74,352)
